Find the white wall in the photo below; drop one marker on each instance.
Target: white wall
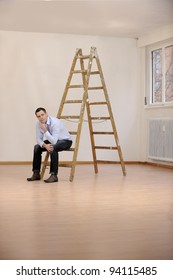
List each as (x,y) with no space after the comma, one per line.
(34,68)
(148,113)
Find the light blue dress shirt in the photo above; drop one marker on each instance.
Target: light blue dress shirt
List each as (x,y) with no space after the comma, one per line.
(55,131)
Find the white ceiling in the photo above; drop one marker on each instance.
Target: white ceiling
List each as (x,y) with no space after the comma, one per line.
(120,18)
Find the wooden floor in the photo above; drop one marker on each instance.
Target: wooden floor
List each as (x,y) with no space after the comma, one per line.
(103,216)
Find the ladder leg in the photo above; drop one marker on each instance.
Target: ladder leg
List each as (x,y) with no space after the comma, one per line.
(78,138)
(44,164)
(122,161)
(92,139)
(111,114)
(72,172)
(85,83)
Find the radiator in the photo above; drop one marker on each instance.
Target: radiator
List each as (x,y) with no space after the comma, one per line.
(161,139)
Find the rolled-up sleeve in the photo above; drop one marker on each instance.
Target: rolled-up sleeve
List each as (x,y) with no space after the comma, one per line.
(54,135)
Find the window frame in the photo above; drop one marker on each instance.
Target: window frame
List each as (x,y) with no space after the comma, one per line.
(149,86)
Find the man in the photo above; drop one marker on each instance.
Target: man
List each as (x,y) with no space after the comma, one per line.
(57,139)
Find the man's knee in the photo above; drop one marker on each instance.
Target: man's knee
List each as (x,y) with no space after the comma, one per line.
(62,145)
(37,148)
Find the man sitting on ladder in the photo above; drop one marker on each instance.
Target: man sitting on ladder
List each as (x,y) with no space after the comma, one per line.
(57,139)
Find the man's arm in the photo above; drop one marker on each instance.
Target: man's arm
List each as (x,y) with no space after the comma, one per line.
(41,130)
(39,135)
(52,136)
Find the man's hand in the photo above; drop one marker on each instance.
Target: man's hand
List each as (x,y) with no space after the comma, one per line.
(48,147)
(43,126)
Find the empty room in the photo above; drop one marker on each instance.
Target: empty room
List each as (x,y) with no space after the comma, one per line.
(86,109)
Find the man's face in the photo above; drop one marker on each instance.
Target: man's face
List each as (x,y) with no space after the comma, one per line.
(42,116)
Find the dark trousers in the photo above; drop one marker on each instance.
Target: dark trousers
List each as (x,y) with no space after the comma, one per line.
(61,145)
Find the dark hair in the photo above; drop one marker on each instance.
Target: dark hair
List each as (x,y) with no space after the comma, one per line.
(40,109)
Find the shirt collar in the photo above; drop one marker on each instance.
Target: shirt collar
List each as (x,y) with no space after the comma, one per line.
(48,121)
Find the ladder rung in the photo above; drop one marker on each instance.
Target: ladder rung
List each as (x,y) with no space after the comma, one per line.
(79,71)
(84,56)
(69,117)
(71,150)
(73,101)
(76,86)
(108,161)
(100,118)
(73,132)
(94,72)
(103,132)
(93,88)
(85,71)
(65,165)
(105,148)
(97,103)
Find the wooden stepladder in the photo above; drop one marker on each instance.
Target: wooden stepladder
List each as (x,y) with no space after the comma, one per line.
(79,93)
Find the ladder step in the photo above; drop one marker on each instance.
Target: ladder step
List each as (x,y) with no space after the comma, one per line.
(85,72)
(94,72)
(105,148)
(69,117)
(79,71)
(103,132)
(98,103)
(94,88)
(71,150)
(84,56)
(100,118)
(76,86)
(73,101)
(108,161)
(65,165)
(73,132)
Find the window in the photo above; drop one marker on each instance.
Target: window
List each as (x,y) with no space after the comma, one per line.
(160,74)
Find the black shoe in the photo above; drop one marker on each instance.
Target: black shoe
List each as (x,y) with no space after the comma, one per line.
(52,179)
(35,177)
